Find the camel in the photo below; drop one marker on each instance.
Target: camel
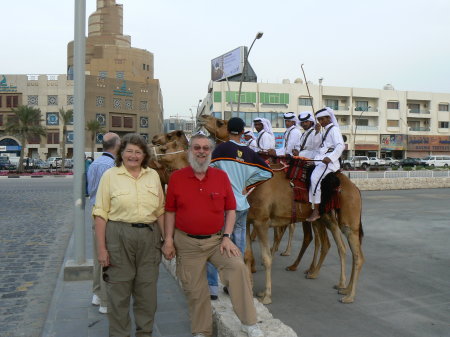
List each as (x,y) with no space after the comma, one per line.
(164,138)
(271,206)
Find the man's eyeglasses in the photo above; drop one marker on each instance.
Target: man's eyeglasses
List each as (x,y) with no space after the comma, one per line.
(198,147)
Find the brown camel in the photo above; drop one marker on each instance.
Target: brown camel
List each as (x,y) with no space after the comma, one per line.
(271,206)
(164,138)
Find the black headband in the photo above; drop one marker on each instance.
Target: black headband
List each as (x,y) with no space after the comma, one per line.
(321,110)
(305,119)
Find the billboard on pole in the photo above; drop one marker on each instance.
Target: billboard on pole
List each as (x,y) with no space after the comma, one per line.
(227,65)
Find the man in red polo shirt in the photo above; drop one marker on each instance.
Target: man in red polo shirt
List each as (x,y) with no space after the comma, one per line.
(196,230)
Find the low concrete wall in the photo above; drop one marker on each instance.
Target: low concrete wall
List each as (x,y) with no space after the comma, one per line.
(378,184)
(226,323)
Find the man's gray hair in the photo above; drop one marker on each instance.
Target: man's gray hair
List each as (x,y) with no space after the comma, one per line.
(200,136)
(110,143)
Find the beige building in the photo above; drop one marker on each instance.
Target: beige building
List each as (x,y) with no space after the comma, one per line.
(121,92)
(377,122)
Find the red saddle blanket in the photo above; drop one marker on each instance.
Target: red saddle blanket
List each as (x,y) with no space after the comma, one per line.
(299,174)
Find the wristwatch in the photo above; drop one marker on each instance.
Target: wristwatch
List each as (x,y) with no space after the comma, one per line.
(225,235)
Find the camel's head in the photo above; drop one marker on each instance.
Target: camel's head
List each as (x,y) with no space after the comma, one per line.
(164,138)
(216,127)
(172,156)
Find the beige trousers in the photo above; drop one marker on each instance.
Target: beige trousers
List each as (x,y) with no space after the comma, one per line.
(135,254)
(192,255)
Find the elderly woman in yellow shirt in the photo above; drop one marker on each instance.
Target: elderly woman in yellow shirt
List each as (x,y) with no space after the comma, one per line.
(129,223)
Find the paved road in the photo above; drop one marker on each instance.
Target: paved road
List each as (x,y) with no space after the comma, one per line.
(35,226)
(404,289)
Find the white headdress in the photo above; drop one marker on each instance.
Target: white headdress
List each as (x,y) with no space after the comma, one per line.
(306,116)
(266,124)
(250,133)
(327,112)
(290,116)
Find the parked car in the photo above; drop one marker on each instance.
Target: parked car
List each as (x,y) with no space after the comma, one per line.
(356,162)
(390,161)
(40,164)
(374,161)
(54,162)
(68,163)
(5,164)
(437,161)
(409,162)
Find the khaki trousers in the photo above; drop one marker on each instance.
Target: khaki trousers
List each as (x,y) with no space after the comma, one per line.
(98,285)
(192,255)
(135,254)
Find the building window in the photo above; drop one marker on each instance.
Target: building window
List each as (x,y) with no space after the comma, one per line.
(443,107)
(120,75)
(103,74)
(116,121)
(128,104)
(414,108)
(69,99)
(143,105)
(443,125)
(217,97)
(100,101)
(332,103)
(1,120)
(99,138)
(392,123)
(246,97)
(12,118)
(144,122)
(128,122)
(52,118)
(392,105)
(36,139)
(362,122)
(53,138)
(69,137)
(33,100)
(101,118)
(12,101)
(52,100)
(117,103)
(143,66)
(148,67)
(305,101)
(273,98)
(361,106)
(1,98)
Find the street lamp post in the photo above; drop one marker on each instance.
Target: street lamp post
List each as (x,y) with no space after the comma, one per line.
(257,37)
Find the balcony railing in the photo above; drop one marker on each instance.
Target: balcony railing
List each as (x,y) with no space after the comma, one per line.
(419,128)
(339,107)
(367,128)
(369,109)
(419,111)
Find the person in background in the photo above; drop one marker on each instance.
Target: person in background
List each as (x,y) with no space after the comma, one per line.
(87,162)
(330,149)
(291,136)
(266,139)
(197,231)
(250,139)
(310,140)
(111,145)
(129,220)
(245,169)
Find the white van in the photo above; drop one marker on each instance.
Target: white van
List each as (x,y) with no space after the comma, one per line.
(436,161)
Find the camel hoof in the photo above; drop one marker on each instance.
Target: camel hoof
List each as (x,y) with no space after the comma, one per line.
(311,276)
(343,291)
(291,268)
(347,299)
(253,270)
(307,271)
(265,300)
(261,294)
(339,287)
(286,254)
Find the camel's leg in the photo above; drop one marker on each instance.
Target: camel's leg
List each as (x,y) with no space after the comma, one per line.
(278,233)
(358,261)
(334,229)
(253,234)
(316,250)
(287,252)
(248,255)
(307,238)
(263,237)
(321,232)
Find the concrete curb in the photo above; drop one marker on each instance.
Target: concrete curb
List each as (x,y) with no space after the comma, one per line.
(379,184)
(36,176)
(226,322)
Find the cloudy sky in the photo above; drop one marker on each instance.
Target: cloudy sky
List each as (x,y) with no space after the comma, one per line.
(348,43)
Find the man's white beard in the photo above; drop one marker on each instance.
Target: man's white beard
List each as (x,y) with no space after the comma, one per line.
(196,166)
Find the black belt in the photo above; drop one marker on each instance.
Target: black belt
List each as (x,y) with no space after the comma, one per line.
(202,237)
(141,225)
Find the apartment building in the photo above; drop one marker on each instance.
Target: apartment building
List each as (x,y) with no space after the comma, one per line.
(377,122)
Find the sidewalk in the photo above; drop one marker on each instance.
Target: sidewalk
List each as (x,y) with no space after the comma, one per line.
(71,313)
